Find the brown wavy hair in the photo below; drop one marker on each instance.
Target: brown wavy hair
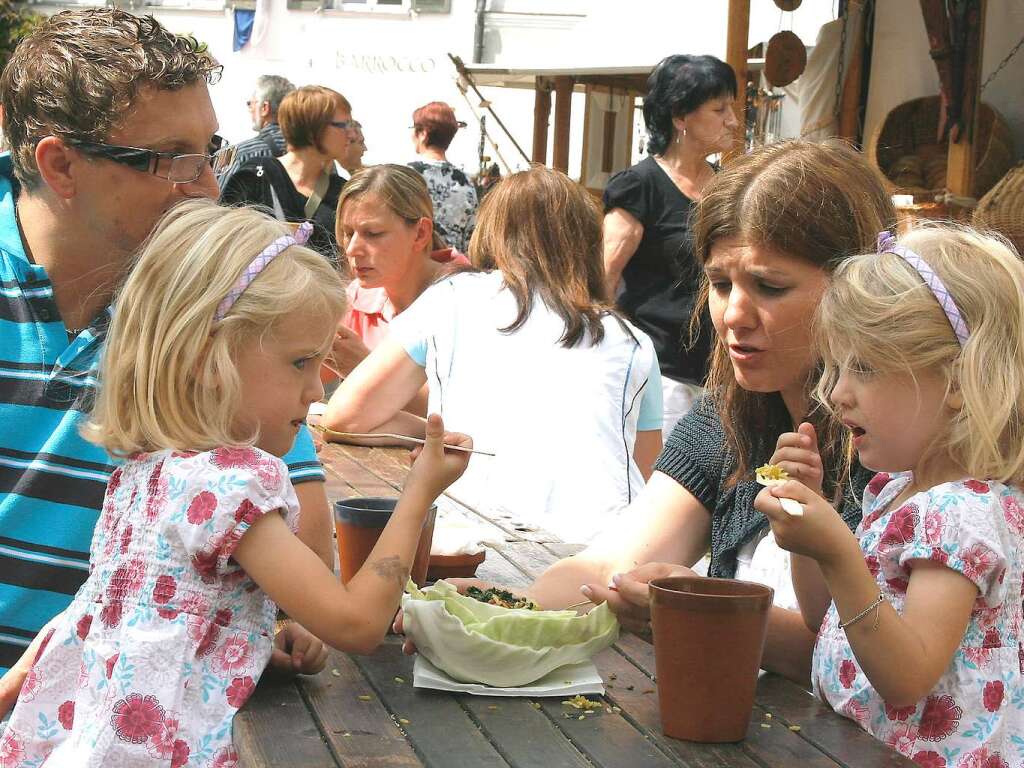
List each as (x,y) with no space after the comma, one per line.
(821,202)
(543,231)
(77,75)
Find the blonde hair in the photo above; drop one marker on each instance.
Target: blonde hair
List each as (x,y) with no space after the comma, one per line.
(879,313)
(401,189)
(167,375)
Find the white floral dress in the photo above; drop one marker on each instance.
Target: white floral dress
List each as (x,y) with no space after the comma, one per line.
(168,636)
(974,717)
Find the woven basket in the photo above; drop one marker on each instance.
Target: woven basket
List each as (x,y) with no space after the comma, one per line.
(1002,209)
(904,148)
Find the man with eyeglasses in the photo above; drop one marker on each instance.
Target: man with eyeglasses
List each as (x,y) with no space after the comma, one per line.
(108,118)
(268,142)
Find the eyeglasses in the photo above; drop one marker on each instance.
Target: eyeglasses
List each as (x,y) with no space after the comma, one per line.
(176,167)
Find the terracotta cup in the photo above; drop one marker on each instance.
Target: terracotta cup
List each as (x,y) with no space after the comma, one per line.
(708,638)
(359,522)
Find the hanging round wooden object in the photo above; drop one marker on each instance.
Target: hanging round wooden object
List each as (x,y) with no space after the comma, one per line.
(788,5)
(785,59)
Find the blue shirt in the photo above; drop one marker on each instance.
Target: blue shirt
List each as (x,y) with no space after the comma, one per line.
(52,481)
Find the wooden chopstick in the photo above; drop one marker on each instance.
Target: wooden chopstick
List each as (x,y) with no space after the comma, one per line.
(411,439)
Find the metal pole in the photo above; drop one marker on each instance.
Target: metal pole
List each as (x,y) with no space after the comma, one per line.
(461,69)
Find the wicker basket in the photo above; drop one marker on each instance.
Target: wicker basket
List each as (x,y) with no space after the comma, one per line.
(904,148)
(1002,209)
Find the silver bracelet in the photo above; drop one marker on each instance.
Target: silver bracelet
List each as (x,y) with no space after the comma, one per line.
(874,606)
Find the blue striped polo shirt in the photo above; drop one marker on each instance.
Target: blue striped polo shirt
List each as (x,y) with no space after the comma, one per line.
(51,480)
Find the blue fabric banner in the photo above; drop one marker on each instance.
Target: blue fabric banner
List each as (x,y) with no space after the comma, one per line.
(243,27)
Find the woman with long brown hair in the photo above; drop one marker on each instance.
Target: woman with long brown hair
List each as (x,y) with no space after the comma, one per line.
(530,357)
(769,232)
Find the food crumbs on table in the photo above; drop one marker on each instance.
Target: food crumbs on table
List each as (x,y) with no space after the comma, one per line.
(582,702)
(399,679)
(794,728)
(365,697)
(336,673)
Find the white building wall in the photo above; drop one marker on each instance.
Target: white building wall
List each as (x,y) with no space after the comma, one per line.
(388,63)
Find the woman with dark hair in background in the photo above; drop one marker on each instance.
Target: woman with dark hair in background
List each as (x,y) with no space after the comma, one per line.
(648,251)
(455,199)
(301,185)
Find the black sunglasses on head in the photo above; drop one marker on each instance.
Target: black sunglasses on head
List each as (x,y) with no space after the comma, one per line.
(176,167)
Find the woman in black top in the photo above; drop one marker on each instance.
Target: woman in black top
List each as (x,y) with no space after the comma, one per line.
(648,250)
(768,232)
(301,185)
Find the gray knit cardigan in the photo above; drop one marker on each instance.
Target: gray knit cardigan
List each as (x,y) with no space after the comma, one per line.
(696,456)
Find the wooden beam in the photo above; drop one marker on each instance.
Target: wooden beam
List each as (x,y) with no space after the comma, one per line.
(563,114)
(541,118)
(849,105)
(736,57)
(960,164)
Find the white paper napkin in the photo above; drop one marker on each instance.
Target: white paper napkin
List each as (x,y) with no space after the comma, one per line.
(569,680)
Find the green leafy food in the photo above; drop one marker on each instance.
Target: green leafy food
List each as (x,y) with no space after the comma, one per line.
(501,597)
(479,642)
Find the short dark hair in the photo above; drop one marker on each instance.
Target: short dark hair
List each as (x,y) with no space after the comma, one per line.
(437,121)
(678,86)
(272,89)
(80,71)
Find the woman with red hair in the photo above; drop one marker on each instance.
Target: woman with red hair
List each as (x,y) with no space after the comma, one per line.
(454,197)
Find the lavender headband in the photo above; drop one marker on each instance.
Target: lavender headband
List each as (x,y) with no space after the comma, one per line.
(258,264)
(887,244)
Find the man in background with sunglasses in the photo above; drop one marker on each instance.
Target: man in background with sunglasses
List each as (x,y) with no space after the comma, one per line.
(109,123)
(268,142)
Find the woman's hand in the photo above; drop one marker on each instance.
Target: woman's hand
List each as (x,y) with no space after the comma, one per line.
(628,594)
(434,465)
(819,533)
(797,453)
(347,349)
(297,651)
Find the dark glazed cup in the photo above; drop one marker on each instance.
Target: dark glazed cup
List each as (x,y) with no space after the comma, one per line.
(708,638)
(359,522)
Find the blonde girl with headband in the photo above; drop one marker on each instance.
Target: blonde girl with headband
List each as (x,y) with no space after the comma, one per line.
(212,361)
(924,363)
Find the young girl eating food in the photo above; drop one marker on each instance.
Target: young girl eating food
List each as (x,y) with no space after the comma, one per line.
(211,363)
(924,363)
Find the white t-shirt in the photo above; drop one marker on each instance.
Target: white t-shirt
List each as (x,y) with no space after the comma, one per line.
(561,421)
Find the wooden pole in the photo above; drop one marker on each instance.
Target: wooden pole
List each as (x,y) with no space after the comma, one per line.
(563,113)
(736,57)
(849,106)
(960,164)
(541,117)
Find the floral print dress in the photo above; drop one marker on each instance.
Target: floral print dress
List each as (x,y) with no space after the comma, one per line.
(974,717)
(454,198)
(168,636)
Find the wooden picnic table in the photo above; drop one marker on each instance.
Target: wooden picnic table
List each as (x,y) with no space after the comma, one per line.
(363,710)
